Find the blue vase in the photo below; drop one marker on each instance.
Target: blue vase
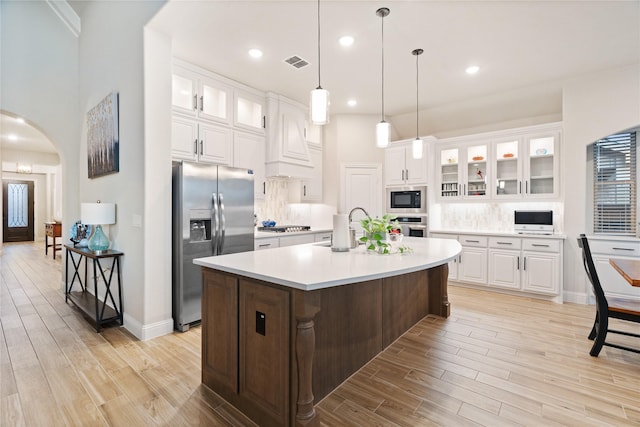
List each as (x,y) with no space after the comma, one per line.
(99,241)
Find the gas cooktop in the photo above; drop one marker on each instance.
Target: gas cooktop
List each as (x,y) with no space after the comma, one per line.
(285,228)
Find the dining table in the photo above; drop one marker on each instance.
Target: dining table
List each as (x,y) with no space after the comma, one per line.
(628,268)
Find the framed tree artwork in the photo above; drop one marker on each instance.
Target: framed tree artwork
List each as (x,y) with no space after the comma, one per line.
(102,137)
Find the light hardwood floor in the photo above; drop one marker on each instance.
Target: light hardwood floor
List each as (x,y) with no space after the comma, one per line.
(498,360)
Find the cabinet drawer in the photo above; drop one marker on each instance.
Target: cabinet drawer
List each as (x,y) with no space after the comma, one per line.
(323,237)
(611,247)
(477,241)
(268,243)
(541,245)
(505,243)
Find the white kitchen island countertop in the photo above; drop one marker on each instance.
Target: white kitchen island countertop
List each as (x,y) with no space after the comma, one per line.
(315,266)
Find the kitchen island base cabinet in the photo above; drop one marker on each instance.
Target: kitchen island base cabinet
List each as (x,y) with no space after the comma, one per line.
(294,347)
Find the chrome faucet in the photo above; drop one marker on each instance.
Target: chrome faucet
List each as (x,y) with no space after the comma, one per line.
(352,231)
(355,209)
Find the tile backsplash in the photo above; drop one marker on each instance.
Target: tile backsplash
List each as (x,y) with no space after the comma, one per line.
(490,216)
(276,207)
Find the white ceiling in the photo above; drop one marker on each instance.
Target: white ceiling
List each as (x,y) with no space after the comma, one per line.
(28,138)
(519,45)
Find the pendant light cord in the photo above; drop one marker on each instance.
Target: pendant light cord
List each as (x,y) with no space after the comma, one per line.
(383,68)
(417,90)
(319,86)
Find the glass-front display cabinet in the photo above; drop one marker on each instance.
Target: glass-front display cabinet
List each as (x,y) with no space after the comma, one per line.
(449,173)
(541,166)
(476,171)
(508,169)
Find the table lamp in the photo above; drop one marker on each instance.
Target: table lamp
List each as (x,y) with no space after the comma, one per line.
(98,214)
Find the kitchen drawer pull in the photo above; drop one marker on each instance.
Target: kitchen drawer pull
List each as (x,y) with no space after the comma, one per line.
(537,245)
(201,102)
(624,249)
(472,241)
(504,243)
(195,102)
(518,267)
(326,237)
(264,245)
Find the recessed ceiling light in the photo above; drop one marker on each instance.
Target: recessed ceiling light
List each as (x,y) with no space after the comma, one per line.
(352,103)
(13,137)
(472,69)
(255,53)
(346,41)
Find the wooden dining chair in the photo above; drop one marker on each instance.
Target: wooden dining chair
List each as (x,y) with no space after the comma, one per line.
(606,308)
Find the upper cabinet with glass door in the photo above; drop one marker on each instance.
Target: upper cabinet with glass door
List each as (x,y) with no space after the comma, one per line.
(463,172)
(541,172)
(508,169)
(249,111)
(196,95)
(476,173)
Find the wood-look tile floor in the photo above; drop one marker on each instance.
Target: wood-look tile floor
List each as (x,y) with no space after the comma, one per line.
(498,360)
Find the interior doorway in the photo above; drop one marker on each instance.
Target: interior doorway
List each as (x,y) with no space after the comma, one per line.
(17,211)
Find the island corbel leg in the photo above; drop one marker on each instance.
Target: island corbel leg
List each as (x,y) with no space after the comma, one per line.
(438,296)
(305,342)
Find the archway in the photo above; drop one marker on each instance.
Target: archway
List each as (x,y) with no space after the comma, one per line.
(29,157)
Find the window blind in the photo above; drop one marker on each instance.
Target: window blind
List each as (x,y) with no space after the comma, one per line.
(615,184)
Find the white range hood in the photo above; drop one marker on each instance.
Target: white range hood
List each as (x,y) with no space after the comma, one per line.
(287,151)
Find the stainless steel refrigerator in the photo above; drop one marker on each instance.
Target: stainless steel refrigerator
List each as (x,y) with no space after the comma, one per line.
(212,215)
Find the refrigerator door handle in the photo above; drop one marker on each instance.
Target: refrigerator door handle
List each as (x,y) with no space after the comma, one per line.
(222,223)
(214,218)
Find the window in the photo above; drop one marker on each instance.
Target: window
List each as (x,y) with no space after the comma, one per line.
(614,186)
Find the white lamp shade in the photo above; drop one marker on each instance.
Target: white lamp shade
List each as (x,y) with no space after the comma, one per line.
(98,213)
(417,148)
(319,110)
(383,134)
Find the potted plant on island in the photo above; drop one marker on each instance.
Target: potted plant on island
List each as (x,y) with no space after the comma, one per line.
(381,235)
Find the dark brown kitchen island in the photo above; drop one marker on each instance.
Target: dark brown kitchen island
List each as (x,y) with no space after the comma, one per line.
(276,340)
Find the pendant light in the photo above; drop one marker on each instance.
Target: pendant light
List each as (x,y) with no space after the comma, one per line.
(319,105)
(417,143)
(383,134)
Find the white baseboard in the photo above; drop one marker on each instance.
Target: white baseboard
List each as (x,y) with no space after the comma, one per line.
(576,297)
(147,332)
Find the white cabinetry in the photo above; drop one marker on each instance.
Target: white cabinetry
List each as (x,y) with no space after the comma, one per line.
(527,264)
(472,265)
(249,111)
(623,248)
(267,243)
(308,189)
(248,153)
(453,264)
(401,168)
(201,141)
(527,166)
(524,264)
(313,134)
(512,164)
(287,150)
(463,171)
(198,95)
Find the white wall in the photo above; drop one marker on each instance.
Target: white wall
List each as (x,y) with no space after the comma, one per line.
(39,82)
(111,59)
(157,185)
(348,139)
(594,106)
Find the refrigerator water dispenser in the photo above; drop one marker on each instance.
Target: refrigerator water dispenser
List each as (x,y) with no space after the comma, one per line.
(200,230)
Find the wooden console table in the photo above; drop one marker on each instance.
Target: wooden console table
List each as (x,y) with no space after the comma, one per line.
(89,303)
(53,230)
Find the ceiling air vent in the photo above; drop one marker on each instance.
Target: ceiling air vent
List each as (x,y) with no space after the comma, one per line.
(296,61)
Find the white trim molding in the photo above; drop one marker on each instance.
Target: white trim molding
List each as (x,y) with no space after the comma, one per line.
(67,15)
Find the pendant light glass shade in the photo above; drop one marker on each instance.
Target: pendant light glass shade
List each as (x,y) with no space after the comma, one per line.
(417,148)
(383,129)
(417,143)
(319,106)
(383,134)
(319,102)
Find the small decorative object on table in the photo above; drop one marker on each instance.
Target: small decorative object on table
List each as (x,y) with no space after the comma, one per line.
(381,235)
(80,233)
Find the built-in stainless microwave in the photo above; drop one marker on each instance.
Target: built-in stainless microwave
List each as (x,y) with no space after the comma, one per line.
(403,200)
